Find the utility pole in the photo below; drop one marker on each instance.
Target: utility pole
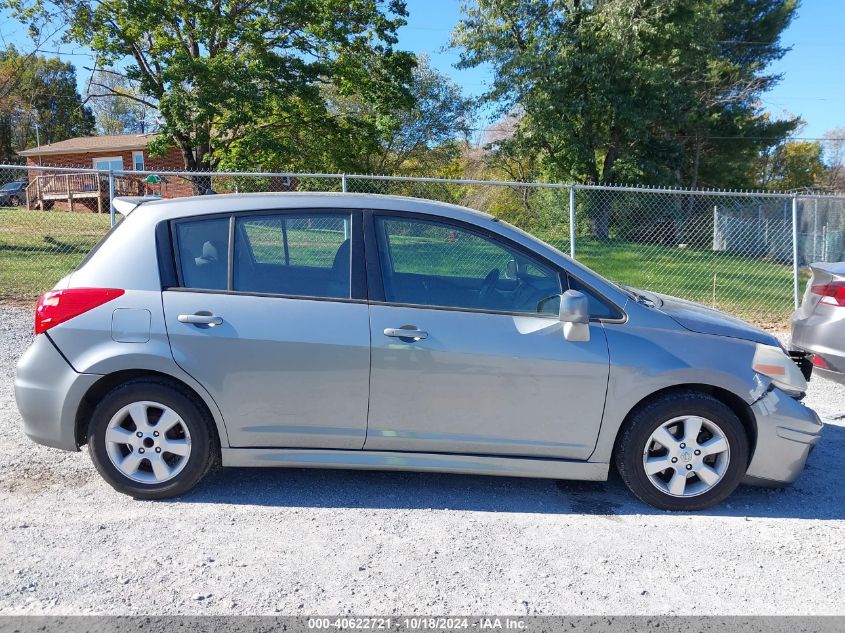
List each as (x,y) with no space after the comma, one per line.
(38,141)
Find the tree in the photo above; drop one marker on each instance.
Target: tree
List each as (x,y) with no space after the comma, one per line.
(213,68)
(833,149)
(726,127)
(418,137)
(337,131)
(510,155)
(116,104)
(46,96)
(792,165)
(629,90)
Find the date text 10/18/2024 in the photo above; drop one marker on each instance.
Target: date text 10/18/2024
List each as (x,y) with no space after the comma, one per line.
(417,623)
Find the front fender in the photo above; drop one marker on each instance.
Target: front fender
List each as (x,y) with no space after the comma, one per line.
(644,361)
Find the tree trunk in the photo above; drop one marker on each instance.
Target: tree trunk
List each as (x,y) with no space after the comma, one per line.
(200,185)
(687,204)
(600,219)
(600,206)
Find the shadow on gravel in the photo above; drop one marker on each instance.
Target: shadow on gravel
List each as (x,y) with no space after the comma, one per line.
(818,494)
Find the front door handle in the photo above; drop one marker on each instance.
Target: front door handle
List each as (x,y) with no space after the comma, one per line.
(406,331)
(200,319)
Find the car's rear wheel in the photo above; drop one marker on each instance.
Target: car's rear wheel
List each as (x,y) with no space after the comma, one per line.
(684,451)
(14,201)
(151,440)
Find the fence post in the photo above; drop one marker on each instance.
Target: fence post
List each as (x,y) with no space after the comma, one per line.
(572,222)
(795,249)
(715,227)
(111,197)
(343,183)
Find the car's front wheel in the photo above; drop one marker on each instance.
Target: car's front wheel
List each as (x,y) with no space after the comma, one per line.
(684,451)
(151,440)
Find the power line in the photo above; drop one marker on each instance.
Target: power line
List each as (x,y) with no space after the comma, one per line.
(493,128)
(46,52)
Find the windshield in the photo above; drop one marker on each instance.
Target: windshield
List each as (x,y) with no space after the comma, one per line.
(11,186)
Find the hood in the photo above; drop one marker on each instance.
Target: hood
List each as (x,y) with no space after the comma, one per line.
(704,320)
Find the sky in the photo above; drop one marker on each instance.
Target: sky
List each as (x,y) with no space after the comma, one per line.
(813,85)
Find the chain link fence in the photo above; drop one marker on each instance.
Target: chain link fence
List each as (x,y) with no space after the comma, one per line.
(745,253)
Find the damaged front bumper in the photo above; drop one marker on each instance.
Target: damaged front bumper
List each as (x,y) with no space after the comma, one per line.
(786,433)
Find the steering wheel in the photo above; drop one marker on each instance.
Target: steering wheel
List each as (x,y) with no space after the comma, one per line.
(488,285)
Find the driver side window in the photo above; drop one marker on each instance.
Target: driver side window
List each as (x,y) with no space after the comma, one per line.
(439,264)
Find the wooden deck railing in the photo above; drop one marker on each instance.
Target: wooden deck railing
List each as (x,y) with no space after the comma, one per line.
(70,187)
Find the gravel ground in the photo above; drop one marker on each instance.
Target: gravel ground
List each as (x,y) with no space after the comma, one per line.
(331,542)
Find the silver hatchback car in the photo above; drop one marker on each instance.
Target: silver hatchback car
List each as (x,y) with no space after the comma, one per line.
(377,332)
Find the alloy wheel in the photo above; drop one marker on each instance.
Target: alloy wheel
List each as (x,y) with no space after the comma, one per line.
(148,442)
(686,456)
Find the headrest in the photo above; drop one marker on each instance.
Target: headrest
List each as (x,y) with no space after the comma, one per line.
(209,254)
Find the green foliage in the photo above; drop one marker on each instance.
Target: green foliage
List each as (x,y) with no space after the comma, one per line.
(339,131)
(631,90)
(790,166)
(38,91)
(217,69)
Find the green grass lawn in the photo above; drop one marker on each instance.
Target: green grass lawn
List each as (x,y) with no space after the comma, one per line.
(37,248)
(754,289)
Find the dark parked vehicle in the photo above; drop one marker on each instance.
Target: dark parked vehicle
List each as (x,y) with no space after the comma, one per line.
(818,326)
(13,194)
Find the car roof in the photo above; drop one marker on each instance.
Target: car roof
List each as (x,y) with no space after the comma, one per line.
(171,208)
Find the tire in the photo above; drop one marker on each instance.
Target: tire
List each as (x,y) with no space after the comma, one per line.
(14,201)
(175,458)
(705,469)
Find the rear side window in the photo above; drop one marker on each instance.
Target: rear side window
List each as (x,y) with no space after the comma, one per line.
(305,255)
(203,247)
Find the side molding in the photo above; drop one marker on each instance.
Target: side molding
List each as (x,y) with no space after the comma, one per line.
(422,462)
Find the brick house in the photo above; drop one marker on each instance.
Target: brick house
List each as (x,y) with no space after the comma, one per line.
(82,191)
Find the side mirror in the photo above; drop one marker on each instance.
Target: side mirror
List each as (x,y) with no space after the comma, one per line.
(511,269)
(575,316)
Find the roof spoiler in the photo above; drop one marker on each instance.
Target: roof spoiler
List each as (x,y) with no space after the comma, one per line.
(127,204)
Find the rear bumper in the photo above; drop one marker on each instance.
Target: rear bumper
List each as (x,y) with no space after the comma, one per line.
(786,433)
(835,369)
(821,335)
(48,392)
(829,374)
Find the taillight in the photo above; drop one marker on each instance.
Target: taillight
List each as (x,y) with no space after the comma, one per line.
(820,362)
(832,293)
(58,306)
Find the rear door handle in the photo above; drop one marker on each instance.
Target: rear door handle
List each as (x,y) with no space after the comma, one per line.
(200,319)
(405,332)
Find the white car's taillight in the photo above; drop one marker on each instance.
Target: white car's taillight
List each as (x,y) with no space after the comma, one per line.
(832,293)
(58,306)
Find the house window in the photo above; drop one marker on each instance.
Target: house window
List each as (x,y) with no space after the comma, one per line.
(109,162)
(138,161)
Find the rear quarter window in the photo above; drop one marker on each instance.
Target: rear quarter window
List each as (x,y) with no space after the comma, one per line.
(202,250)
